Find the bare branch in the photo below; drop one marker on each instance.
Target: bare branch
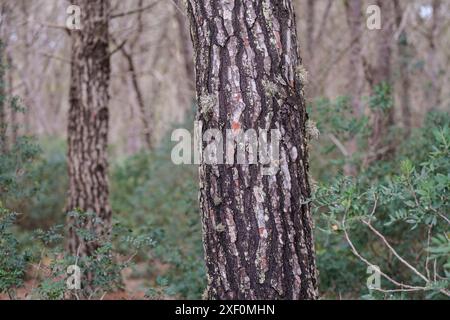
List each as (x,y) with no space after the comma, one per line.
(360,257)
(339,144)
(123,14)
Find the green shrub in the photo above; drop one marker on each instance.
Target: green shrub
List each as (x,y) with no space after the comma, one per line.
(149,190)
(404,204)
(13,262)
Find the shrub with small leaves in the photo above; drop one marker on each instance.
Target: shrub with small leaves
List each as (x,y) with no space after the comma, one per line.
(399,223)
(13,260)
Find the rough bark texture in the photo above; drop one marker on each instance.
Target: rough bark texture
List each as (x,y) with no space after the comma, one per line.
(88,123)
(355,82)
(257,229)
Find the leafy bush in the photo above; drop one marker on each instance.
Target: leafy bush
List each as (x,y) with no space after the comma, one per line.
(14,261)
(149,190)
(103,268)
(399,222)
(45,207)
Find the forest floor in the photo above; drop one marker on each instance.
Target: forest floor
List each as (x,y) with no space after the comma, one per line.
(134,287)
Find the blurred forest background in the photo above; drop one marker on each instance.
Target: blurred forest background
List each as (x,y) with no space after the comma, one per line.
(379,98)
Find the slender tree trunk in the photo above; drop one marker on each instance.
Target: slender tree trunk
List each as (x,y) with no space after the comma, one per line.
(88,124)
(311,45)
(355,82)
(310,27)
(257,229)
(3,124)
(3,35)
(24,7)
(145,118)
(13,111)
(403,52)
(380,74)
(434,91)
(186,45)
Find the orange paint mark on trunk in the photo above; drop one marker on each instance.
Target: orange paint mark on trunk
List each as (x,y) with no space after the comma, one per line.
(235,126)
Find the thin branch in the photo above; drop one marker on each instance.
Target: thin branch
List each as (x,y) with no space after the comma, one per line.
(441,215)
(359,256)
(117,48)
(368,224)
(50,26)
(339,144)
(323,22)
(123,14)
(393,251)
(51,56)
(427,260)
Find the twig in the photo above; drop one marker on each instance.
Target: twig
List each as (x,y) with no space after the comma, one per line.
(123,14)
(427,260)
(393,251)
(339,144)
(118,48)
(441,215)
(50,56)
(359,256)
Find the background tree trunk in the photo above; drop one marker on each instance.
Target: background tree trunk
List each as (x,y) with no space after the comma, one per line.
(3,42)
(88,123)
(12,111)
(3,124)
(186,45)
(310,27)
(355,82)
(257,229)
(404,61)
(377,75)
(433,68)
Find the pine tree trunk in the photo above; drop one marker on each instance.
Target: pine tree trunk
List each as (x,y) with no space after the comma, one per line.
(88,124)
(257,229)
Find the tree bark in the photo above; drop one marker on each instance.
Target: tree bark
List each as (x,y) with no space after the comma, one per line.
(257,229)
(88,124)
